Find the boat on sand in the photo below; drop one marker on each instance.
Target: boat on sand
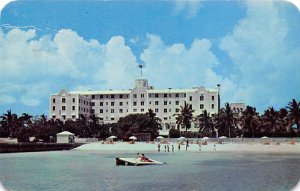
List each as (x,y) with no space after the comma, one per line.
(136,162)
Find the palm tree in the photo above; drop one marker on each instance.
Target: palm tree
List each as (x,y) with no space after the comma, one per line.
(294,113)
(270,120)
(205,122)
(226,120)
(250,119)
(153,118)
(185,116)
(9,122)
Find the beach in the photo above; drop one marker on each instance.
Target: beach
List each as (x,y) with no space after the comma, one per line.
(272,147)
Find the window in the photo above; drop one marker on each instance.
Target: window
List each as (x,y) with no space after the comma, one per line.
(169,102)
(73,100)
(101,103)
(73,108)
(156,102)
(112,118)
(201,98)
(177,95)
(201,106)
(73,116)
(121,96)
(165,118)
(53,108)
(112,103)
(156,110)
(169,95)
(184,95)
(191,98)
(106,96)
(177,102)
(165,110)
(93,103)
(106,103)
(134,103)
(165,95)
(142,110)
(150,95)
(53,100)
(156,95)
(191,107)
(101,96)
(142,103)
(177,110)
(120,110)
(83,109)
(93,111)
(134,96)
(170,110)
(112,111)
(101,110)
(213,98)
(149,102)
(165,102)
(93,96)
(101,118)
(134,110)
(63,108)
(112,96)
(64,116)
(142,95)
(212,106)
(53,116)
(121,103)
(63,100)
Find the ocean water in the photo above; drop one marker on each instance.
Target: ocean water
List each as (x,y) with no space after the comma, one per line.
(187,171)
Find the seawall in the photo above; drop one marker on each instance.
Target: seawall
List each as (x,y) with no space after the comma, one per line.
(36,147)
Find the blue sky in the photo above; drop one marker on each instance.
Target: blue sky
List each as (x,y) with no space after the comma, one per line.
(252,48)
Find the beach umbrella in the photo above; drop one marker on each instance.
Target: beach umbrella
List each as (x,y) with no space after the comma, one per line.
(181,138)
(160,137)
(264,137)
(205,138)
(133,138)
(112,137)
(223,137)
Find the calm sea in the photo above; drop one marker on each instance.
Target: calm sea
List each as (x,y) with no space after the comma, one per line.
(93,171)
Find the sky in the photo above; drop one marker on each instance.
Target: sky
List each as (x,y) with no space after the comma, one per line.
(251,48)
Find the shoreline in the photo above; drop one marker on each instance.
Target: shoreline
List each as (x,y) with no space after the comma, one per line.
(282,148)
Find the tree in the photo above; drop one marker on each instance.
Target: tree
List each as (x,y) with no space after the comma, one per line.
(184,117)
(226,121)
(138,123)
(84,128)
(250,120)
(294,113)
(9,123)
(205,123)
(270,120)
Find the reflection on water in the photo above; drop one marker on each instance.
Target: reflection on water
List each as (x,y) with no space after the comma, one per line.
(86,170)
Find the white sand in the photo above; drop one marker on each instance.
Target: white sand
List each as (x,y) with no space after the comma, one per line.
(226,147)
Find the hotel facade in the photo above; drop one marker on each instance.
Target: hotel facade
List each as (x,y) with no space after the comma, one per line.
(110,105)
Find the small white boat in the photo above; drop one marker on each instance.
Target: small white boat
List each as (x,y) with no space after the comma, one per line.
(136,162)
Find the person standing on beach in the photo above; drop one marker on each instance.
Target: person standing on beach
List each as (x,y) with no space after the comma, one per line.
(172,148)
(158,147)
(187,144)
(178,146)
(215,147)
(199,146)
(168,147)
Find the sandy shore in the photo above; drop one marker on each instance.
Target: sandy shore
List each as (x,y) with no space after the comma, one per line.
(210,147)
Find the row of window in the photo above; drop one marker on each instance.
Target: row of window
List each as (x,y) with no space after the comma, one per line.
(142,103)
(64,100)
(150,95)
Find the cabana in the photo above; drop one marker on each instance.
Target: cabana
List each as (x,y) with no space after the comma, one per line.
(65,137)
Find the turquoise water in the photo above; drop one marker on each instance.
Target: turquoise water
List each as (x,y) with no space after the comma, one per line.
(92,171)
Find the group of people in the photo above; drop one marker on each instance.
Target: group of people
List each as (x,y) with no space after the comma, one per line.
(142,157)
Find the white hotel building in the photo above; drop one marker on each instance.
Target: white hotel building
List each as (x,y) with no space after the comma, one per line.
(110,105)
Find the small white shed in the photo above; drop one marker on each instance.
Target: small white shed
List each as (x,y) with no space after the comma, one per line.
(65,137)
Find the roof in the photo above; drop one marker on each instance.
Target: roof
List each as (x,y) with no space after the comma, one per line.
(65,133)
(91,92)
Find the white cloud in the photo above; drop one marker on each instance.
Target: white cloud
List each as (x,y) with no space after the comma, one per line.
(177,65)
(33,67)
(7,99)
(188,7)
(266,69)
